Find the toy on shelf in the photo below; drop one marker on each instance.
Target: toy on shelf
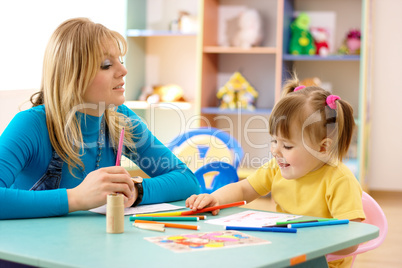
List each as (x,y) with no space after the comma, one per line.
(351,45)
(162,93)
(301,41)
(311,81)
(237,93)
(249,29)
(320,36)
(186,23)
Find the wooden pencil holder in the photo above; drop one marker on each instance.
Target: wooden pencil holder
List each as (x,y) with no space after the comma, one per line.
(115,214)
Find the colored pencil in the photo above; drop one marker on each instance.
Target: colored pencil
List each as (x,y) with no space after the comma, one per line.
(200,217)
(262,229)
(303,221)
(235,204)
(162,214)
(320,223)
(120,148)
(167,218)
(190,212)
(152,227)
(171,225)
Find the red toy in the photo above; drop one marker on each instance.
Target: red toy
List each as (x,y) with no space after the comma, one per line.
(320,36)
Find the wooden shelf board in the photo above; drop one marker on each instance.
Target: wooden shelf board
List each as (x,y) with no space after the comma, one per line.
(217,110)
(143,105)
(155,33)
(239,50)
(289,57)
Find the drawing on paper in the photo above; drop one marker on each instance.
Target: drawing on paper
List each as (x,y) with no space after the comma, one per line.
(206,241)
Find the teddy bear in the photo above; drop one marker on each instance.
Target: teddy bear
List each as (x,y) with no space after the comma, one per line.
(301,41)
(249,29)
(320,36)
(162,93)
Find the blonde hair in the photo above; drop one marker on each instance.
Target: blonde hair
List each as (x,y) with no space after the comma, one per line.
(72,58)
(307,109)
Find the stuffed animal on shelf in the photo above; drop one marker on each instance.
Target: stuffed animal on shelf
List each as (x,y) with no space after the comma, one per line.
(237,93)
(301,41)
(162,93)
(320,36)
(351,44)
(249,29)
(311,81)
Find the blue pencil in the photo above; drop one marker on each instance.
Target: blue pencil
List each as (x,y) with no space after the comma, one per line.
(262,229)
(320,223)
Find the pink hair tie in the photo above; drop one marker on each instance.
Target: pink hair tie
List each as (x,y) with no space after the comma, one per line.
(331,101)
(298,88)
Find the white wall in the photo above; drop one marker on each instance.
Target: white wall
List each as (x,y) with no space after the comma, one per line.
(386,141)
(26,26)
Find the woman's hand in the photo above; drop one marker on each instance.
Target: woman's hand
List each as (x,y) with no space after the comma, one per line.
(196,202)
(93,190)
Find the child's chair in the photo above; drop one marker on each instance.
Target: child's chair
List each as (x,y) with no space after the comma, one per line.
(222,173)
(200,146)
(374,216)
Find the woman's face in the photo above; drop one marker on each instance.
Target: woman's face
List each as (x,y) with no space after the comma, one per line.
(107,88)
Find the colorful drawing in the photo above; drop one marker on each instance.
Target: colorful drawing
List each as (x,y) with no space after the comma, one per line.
(205,241)
(252,218)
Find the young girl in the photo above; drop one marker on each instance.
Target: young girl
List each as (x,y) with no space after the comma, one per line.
(60,155)
(311,132)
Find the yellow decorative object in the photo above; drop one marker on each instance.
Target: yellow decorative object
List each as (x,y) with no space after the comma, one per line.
(237,93)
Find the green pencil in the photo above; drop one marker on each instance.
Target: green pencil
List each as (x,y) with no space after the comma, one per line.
(303,221)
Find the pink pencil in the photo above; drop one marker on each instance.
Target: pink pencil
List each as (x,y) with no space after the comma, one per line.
(119,150)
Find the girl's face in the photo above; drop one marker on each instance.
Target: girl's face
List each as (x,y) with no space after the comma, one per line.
(107,86)
(293,158)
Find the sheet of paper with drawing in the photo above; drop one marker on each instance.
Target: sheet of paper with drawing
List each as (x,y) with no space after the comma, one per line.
(251,218)
(141,209)
(206,241)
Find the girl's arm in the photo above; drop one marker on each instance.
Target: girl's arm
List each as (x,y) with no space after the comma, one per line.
(230,193)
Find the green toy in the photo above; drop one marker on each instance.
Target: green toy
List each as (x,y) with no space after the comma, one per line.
(301,41)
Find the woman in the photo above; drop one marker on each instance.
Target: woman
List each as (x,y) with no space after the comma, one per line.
(59,156)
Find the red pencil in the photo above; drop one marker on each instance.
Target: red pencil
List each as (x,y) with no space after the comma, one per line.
(235,204)
(172,225)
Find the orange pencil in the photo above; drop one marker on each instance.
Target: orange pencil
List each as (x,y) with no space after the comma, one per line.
(171,225)
(235,204)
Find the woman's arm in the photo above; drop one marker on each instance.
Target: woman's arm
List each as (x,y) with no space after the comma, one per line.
(171,179)
(25,152)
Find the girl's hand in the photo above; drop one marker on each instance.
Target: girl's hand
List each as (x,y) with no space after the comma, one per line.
(93,190)
(196,202)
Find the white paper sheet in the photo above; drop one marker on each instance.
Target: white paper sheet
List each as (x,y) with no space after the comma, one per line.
(141,209)
(251,218)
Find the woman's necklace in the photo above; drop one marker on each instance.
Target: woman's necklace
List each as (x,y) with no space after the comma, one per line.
(100,144)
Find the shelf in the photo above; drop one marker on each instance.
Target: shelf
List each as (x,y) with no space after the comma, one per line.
(289,57)
(143,105)
(216,110)
(252,50)
(155,33)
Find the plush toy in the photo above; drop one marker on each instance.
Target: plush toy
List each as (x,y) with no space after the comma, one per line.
(162,93)
(237,93)
(249,29)
(301,41)
(311,81)
(320,36)
(351,44)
